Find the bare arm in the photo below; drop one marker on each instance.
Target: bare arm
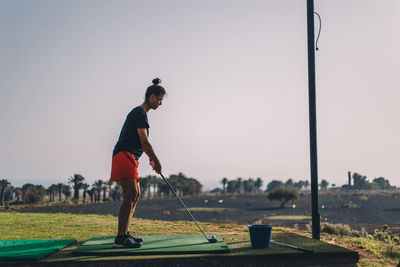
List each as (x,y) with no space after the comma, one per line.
(148,148)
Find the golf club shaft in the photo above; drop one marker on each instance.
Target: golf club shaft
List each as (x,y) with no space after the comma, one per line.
(183,204)
(291,246)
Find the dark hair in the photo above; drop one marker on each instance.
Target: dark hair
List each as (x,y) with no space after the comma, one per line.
(155,89)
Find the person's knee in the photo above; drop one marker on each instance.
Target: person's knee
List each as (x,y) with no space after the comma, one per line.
(131,199)
(135,198)
(138,196)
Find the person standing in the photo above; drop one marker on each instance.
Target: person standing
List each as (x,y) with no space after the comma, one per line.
(132,142)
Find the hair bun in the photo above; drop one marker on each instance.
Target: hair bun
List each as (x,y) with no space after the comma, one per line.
(156,81)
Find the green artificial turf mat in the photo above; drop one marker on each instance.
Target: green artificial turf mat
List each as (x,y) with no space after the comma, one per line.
(241,246)
(154,244)
(31,249)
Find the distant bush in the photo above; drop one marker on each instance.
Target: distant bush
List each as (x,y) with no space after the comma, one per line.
(396,195)
(382,183)
(33,194)
(68,202)
(336,229)
(363,198)
(361,182)
(392,251)
(283,194)
(351,205)
(217,190)
(342,230)
(273,185)
(385,235)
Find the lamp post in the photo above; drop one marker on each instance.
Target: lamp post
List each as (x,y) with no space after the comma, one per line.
(312,121)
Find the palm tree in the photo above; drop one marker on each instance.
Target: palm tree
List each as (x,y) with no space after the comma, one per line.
(9,194)
(25,189)
(258,184)
(299,185)
(155,182)
(116,193)
(52,190)
(85,188)
(18,193)
(104,188)
(163,190)
(248,186)
(145,184)
(239,184)
(91,194)
(40,192)
(97,186)
(76,181)
(224,181)
(109,187)
(192,187)
(289,182)
(4,183)
(177,182)
(33,193)
(324,184)
(60,187)
(231,186)
(66,189)
(48,192)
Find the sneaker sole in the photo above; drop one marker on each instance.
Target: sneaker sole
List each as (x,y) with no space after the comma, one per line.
(122,246)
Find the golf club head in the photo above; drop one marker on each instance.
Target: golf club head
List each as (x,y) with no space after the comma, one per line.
(213,239)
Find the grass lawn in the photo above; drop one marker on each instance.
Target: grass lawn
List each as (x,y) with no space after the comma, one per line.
(82,227)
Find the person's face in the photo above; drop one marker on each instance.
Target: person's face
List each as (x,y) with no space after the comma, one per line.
(156,101)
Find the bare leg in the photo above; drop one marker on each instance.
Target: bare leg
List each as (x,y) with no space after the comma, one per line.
(137,185)
(129,187)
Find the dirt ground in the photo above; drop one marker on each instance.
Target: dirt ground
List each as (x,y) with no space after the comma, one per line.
(358,209)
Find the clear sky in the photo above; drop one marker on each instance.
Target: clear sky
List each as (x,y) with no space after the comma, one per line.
(236,77)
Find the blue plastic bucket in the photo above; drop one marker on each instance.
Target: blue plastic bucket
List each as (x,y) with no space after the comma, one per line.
(260,235)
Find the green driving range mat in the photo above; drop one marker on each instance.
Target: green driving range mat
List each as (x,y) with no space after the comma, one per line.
(31,249)
(154,244)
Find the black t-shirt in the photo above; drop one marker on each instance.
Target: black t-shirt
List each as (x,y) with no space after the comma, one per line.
(129,138)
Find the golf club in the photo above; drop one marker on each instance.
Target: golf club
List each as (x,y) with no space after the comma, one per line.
(292,246)
(213,238)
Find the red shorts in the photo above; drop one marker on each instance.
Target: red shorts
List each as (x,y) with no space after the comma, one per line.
(124,167)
